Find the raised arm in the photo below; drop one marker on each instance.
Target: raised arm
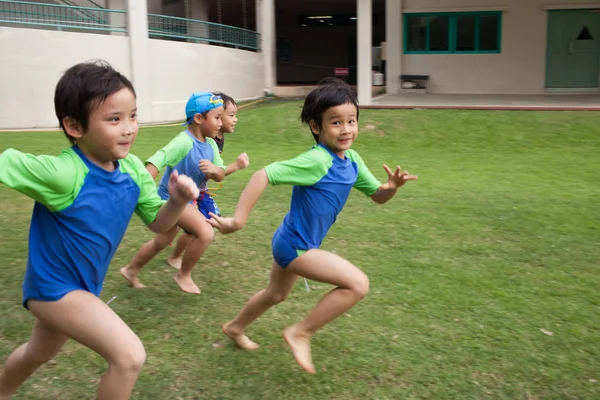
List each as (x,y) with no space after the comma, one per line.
(395,179)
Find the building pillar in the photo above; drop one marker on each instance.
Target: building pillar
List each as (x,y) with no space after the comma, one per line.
(393,45)
(364,57)
(265,26)
(117,19)
(137,17)
(198,11)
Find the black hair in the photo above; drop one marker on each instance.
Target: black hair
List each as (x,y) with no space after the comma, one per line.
(83,88)
(331,92)
(227,100)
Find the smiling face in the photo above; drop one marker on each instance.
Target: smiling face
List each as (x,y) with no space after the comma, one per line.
(111,129)
(339,128)
(229,118)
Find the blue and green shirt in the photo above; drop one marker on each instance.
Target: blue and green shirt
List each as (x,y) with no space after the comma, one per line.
(322,183)
(183,154)
(80,215)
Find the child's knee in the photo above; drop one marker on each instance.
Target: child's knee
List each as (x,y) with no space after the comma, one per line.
(361,286)
(205,233)
(131,359)
(275,297)
(163,240)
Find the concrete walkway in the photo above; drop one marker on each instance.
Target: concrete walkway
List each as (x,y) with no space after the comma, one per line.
(548,102)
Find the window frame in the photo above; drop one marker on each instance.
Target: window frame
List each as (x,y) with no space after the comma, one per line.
(452,30)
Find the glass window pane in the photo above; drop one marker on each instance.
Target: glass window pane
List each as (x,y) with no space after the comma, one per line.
(416,29)
(438,33)
(488,32)
(465,33)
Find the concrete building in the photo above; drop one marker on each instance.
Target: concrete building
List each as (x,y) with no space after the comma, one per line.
(513,47)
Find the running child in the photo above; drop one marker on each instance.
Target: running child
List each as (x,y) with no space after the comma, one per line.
(84,199)
(206,200)
(322,179)
(194,153)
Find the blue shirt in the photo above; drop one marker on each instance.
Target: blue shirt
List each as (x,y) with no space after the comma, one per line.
(183,154)
(322,183)
(79,217)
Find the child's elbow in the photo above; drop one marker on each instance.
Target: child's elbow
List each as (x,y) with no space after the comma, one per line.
(220,177)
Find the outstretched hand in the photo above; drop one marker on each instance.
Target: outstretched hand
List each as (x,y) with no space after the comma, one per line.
(182,188)
(398,177)
(223,224)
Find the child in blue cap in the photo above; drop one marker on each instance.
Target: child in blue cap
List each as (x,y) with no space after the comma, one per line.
(206,202)
(194,153)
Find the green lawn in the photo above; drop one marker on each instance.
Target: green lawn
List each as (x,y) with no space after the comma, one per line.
(498,240)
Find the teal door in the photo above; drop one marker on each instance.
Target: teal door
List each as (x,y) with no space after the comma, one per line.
(573,54)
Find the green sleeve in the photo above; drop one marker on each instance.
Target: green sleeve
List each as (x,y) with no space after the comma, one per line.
(149,203)
(365,182)
(52,181)
(305,170)
(217,160)
(173,152)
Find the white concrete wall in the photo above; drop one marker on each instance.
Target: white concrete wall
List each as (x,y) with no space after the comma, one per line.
(184,68)
(33,61)
(519,69)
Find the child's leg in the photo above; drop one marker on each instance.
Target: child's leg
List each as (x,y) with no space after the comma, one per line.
(44,343)
(194,222)
(280,285)
(352,285)
(183,242)
(147,252)
(85,318)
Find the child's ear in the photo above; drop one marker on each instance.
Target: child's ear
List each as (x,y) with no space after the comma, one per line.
(314,127)
(198,118)
(73,127)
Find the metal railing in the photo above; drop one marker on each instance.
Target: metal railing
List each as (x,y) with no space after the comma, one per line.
(174,28)
(62,16)
(107,20)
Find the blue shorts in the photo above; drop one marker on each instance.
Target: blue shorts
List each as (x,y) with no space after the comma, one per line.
(283,250)
(206,204)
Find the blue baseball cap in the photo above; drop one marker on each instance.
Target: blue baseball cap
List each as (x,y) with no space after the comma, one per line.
(199,103)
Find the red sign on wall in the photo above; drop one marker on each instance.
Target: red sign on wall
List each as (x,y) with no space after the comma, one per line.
(341,71)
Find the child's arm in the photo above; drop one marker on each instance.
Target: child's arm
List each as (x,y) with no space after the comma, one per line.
(182,190)
(47,179)
(169,155)
(254,189)
(211,171)
(395,180)
(152,170)
(304,170)
(241,162)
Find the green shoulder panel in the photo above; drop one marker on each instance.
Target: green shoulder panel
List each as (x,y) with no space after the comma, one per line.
(50,180)
(149,202)
(304,170)
(365,182)
(173,152)
(217,160)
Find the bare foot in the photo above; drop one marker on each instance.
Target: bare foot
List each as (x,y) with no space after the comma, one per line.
(186,284)
(174,262)
(241,340)
(132,278)
(300,345)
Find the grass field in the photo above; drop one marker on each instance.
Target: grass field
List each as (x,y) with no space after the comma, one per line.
(484,273)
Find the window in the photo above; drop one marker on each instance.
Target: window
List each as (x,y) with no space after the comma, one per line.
(444,33)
